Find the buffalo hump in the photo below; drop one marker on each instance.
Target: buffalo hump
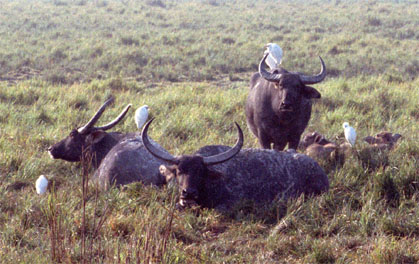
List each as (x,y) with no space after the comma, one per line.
(262,175)
(129,162)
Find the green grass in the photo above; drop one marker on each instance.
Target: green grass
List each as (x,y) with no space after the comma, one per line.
(72,41)
(371,212)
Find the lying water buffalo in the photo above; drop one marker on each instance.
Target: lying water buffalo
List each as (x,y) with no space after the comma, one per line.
(319,148)
(278,107)
(383,140)
(90,140)
(220,176)
(127,162)
(313,137)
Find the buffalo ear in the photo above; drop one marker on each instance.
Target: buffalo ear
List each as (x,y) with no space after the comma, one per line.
(168,172)
(95,136)
(310,92)
(214,175)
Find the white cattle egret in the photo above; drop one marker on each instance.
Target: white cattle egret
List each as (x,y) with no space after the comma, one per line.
(350,133)
(41,184)
(275,55)
(141,115)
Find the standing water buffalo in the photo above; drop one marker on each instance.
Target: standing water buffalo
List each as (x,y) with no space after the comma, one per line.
(90,140)
(220,176)
(278,107)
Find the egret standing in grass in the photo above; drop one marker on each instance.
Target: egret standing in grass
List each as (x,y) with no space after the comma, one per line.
(350,133)
(141,115)
(41,184)
(275,55)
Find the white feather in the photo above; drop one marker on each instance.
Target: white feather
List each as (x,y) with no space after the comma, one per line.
(141,115)
(275,55)
(41,184)
(350,134)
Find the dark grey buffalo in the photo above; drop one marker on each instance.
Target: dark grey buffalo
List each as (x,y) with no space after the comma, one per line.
(278,107)
(127,162)
(90,141)
(220,176)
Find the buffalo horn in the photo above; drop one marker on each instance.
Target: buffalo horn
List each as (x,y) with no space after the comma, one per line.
(95,118)
(152,149)
(271,77)
(116,120)
(306,79)
(212,160)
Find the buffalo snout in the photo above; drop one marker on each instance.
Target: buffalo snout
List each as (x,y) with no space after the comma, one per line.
(52,151)
(286,107)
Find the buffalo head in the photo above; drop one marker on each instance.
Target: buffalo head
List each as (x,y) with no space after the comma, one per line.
(190,172)
(311,138)
(291,87)
(86,139)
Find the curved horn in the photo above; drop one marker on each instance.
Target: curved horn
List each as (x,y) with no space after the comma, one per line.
(152,149)
(306,79)
(212,160)
(271,77)
(96,117)
(116,120)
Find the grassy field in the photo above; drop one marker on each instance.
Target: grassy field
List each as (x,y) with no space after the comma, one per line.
(191,61)
(67,41)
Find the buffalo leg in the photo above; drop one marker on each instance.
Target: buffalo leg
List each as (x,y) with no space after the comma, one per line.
(264,141)
(279,146)
(293,143)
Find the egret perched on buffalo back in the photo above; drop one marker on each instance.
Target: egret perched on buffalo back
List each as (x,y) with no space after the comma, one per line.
(275,55)
(141,115)
(41,184)
(350,133)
